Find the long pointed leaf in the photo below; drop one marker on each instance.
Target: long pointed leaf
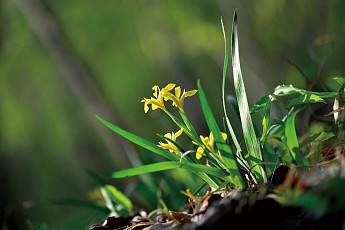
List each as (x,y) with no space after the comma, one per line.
(247,124)
(156,167)
(139,141)
(227,153)
(154,148)
(225,67)
(291,139)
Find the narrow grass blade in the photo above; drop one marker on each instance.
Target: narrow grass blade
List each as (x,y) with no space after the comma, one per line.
(246,120)
(199,189)
(187,122)
(140,141)
(240,159)
(154,148)
(225,67)
(291,139)
(226,151)
(222,186)
(156,167)
(186,129)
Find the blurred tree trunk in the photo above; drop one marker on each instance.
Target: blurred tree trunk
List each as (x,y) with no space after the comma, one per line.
(48,32)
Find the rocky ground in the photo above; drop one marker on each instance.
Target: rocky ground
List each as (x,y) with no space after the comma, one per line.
(261,206)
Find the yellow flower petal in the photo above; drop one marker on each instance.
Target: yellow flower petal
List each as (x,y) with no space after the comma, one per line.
(178,91)
(211,139)
(199,152)
(169,145)
(190,93)
(169,87)
(178,134)
(224,136)
(178,99)
(155,88)
(172,97)
(146,108)
(168,135)
(154,107)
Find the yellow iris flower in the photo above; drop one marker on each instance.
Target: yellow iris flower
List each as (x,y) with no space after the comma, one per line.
(170,146)
(208,142)
(178,98)
(157,101)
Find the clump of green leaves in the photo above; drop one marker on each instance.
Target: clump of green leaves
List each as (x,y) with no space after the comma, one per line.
(219,158)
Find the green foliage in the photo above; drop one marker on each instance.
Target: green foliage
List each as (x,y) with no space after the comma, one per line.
(139,141)
(291,139)
(293,148)
(246,120)
(39,111)
(228,159)
(227,154)
(156,167)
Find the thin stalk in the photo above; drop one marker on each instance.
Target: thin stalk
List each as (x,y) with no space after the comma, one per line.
(187,122)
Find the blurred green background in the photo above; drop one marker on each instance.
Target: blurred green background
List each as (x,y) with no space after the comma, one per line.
(62,62)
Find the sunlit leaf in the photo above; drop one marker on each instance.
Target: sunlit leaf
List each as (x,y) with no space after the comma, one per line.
(140,141)
(303,99)
(156,167)
(225,67)
(291,139)
(283,90)
(324,94)
(246,121)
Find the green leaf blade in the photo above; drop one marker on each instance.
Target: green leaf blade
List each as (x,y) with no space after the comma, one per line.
(225,67)
(139,141)
(246,121)
(227,153)
(161,166)
(291,139)
(304,99)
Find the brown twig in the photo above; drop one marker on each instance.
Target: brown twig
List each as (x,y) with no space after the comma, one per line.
(335,111)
